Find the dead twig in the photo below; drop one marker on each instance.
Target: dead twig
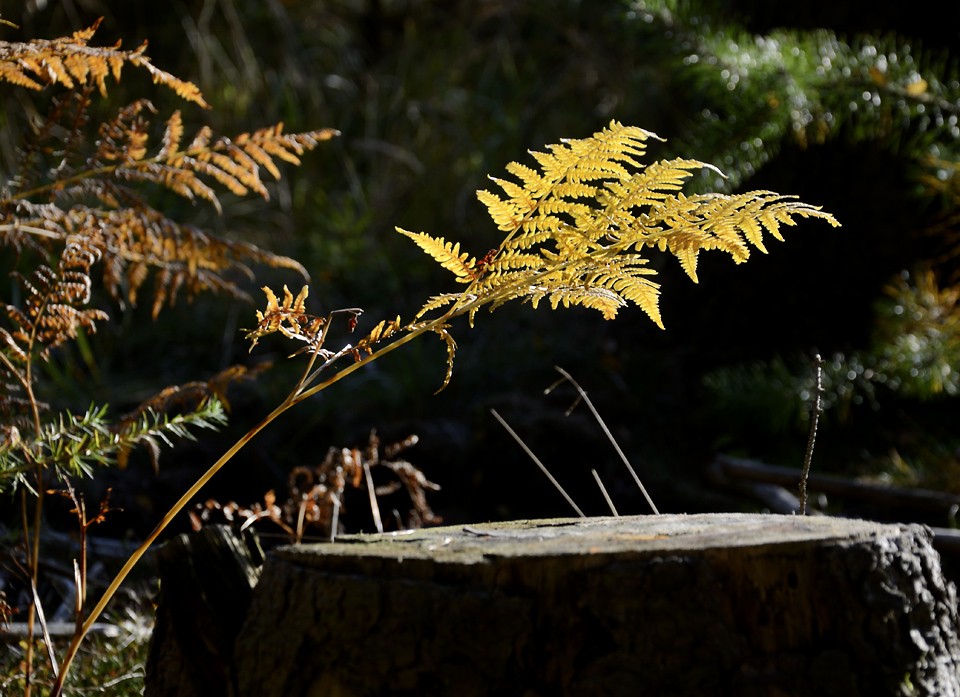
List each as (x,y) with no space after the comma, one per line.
(374,508)
(613,441)
(537,461)
(606,496)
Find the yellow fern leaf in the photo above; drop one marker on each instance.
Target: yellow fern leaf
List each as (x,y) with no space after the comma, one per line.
(576,229)
(451,350)
(437,302)
(447,254)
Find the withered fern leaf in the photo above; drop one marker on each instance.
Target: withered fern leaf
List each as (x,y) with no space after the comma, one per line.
(53,306)
(91,191)
(71,61)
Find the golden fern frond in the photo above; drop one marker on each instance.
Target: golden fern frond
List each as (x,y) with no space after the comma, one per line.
(436,302)
(380,332)
(70,60)
(451,350)
(686,225)
(447,254)
(576,230)
(626,277)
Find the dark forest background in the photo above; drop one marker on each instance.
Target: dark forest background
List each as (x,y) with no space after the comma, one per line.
(819,99)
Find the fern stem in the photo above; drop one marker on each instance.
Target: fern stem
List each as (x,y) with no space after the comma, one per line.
(148,542)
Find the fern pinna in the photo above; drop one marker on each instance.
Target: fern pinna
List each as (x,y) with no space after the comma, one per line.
(578,229)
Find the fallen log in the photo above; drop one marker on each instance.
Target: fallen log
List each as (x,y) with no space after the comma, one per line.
(888,496)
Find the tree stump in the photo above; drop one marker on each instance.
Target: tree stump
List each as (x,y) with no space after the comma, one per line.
(721,604)
(206,583)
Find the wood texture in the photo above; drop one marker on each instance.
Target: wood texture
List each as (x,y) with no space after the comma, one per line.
(672,605)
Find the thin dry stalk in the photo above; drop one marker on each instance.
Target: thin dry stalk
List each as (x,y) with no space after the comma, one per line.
(335,518)
(43,628)
(596,415)
(374,507)
(537,461)
(606,496)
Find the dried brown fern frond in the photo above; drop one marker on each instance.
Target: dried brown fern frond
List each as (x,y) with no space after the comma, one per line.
(315,492)
(290,319)
(71,61)
(577,230)
(119,158)
(52,309)
(233,164)
(135,240)
(187,397)
(177,400)
(50,198)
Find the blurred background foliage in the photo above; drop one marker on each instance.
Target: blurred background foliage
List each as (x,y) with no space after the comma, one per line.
(854,111)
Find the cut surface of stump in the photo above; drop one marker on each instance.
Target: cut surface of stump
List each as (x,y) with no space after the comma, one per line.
(719,604)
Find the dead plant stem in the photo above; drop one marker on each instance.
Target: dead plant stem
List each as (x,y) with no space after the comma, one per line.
(606,496)
(613,441)
(536,461)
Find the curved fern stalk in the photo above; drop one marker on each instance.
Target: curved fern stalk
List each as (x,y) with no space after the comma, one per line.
(558,247)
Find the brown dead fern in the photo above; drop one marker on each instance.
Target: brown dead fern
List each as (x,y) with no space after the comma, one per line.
(71,61)
(315,494)
(77,204)
(69,187)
